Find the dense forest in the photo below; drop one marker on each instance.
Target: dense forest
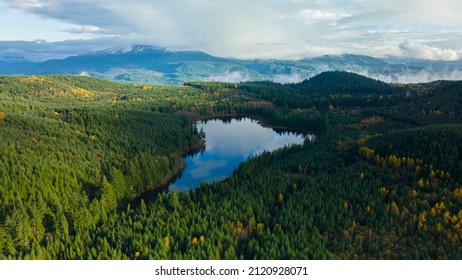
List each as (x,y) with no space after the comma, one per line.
(382,180)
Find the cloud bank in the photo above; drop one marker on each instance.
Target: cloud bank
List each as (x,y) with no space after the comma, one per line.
(289,29)
(230,77)
(40,50)
(416,50)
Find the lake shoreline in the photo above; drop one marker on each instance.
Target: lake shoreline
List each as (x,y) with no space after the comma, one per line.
(200,145)
(150,192)
(264,122)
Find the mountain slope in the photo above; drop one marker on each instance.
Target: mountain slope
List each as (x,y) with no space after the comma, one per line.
(154,65)
(151,58)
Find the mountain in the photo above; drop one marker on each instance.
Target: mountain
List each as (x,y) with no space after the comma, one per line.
(136,57)
(16,65)
(146,64)
(155,65)
(437,65)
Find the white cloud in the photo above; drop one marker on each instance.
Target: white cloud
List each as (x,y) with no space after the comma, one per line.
(315,16)
(416,50)
(28,4)
(289,79)
(230,77)
(418,76)
(39,50)
(86,29)
(258,28)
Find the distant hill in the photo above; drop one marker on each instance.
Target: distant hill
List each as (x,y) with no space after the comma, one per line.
(136,57)
(332,82)
(16,66)
(154,65)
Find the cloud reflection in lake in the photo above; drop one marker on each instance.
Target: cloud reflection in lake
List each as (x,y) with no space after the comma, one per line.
(228,143)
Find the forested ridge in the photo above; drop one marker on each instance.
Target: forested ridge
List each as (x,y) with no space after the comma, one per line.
(382,180)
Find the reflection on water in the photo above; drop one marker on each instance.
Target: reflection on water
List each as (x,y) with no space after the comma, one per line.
(228,143)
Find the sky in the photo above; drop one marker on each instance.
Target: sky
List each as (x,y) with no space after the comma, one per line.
(249,29)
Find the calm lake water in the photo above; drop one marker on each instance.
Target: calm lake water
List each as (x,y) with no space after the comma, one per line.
(228,143)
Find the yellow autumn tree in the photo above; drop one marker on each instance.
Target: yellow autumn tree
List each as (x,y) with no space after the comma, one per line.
(194,240)
(421,183)
(260,226)
(166,245)
(421,220)
(394,208)
(410,163)
(2,116)
(457,193)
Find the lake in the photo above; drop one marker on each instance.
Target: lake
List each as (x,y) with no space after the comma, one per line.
(229,142)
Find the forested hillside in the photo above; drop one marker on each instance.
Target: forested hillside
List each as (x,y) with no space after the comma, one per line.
(382,180)
(154,65)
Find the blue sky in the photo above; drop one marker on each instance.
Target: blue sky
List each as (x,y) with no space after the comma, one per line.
(17,25)
(289,29)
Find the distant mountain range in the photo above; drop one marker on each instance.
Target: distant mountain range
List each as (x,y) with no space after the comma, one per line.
(154,65)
